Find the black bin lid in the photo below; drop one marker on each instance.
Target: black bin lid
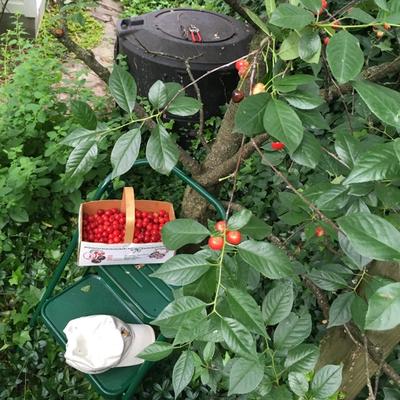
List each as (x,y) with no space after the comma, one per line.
(212,27)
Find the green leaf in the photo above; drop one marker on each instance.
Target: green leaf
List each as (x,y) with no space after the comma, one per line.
(125,152)
(82,158)
(182,269)
(304,100)
(256,228)
(266,258)
(359,260)
(333,199)
(83,114)
(79,136)
(250,113)
(156,351)
(371,236)
(312,5)
(270,6)
(298,383)
(289,16)
(123,88)
(281,122)
(327,280)
(375,164)
(182,231)
(360,15)
(161,151)
(382,4)
(310,46)
(312,119)
(173,89)
(326,381)
(359,310)
(238,338)
(183,372)
(292,331)
(204,287)
(384,308)
(291,82)
(302,358)
(388,195)
(257,20)
(184,106)
(158,94)
(347,148)
(191,329)
(280,393)
(382,101)
(345,57)
(246,310)
(309,152)
(208,351)
(19,214)
(179,310)
(340,310)
(278,303)
(245,376)
(289,49)
(239,220)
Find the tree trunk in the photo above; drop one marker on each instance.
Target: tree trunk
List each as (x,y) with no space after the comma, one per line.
(338,347)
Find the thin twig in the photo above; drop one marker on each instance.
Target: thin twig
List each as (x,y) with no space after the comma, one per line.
(335,157)
(200,131)
(371,395)
(316,210)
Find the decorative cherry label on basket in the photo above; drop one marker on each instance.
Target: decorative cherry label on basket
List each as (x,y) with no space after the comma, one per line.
(115,232)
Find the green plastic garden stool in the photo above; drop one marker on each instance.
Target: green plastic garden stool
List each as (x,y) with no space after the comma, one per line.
(120,290)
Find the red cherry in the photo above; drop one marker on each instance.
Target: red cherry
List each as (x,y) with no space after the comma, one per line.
(220,226)
(326,40)
(233,237)
(243,63)
(277,145)
(215,242)
(242,72)
(324,5)
(237,96)
(319,231)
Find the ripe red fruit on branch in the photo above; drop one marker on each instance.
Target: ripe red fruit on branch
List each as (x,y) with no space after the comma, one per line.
(324,5)
(220,226)
(319,231)
(233,237)
(215,242)
(237,96)
(326,40)
(386,26)
(242,71)
(241,64)
(277,145)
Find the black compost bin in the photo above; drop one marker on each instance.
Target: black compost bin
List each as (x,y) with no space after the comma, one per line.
(156,45)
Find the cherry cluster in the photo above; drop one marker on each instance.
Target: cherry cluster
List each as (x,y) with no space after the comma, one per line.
(108,226)
(148,226)
(217,242)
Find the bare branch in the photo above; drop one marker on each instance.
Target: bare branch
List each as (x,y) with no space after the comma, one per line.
(212,176)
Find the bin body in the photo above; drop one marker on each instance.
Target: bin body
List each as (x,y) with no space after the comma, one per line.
(157,44)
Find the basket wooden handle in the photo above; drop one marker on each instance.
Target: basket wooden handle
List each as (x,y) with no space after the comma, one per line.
(128,207)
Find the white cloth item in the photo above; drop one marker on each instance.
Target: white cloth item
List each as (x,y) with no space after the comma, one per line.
(99,342)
